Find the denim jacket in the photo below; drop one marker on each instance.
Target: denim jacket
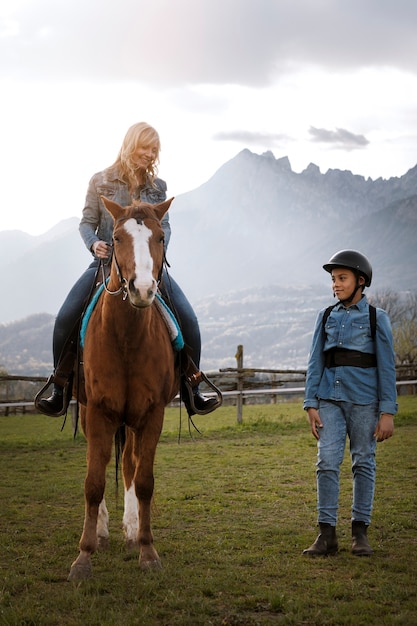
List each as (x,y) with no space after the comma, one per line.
(97,224)
(349,328)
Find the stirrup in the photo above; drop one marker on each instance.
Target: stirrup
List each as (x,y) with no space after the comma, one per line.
(193,381)
(66,397)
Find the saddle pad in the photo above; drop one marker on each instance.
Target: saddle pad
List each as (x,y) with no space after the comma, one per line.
(174,330)
(170,320)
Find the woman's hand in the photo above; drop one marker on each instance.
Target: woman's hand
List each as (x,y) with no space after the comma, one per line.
(315,422)
(101,249)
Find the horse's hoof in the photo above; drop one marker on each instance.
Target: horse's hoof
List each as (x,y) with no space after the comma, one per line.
(80,571)
(150,566)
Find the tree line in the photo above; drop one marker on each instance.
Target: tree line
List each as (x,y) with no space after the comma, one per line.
(402,311)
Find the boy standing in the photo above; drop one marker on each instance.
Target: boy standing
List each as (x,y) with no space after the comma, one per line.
(350,390)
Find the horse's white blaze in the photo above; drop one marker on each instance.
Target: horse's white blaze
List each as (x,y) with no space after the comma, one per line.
(131,514)
(144,281)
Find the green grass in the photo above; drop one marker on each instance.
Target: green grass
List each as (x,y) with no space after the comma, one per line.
(234,508)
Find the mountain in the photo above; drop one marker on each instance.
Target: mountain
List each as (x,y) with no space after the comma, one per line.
(39,271)
(274,326)
(256,222)
(247,247)
(25,345)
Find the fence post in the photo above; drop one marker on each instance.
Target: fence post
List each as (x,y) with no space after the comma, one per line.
(239,399)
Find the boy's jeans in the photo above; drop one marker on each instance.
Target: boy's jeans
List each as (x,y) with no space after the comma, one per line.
(359,423)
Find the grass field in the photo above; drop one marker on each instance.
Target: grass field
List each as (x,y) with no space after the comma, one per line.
(234,508)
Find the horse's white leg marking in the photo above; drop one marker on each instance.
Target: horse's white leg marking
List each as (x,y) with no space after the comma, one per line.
(103,524)
(144,280)
(131,515)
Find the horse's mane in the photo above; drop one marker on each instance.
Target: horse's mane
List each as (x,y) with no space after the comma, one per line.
(138,209)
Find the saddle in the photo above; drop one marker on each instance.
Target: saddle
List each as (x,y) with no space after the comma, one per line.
(70,367)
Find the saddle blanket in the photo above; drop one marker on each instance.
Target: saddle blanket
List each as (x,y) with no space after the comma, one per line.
(174,330)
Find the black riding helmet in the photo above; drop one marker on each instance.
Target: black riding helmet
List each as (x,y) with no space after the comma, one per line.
(353,260)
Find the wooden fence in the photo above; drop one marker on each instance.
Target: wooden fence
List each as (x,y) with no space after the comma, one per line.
(238,385)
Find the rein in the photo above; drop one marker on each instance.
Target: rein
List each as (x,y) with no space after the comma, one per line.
(123,282)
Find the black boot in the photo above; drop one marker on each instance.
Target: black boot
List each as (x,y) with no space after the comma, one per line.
(54,405)
(326,542)
(202,404)
(195,402)
(360,543)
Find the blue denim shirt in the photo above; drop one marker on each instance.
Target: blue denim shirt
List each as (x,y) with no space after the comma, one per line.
(349,328)
(97,223)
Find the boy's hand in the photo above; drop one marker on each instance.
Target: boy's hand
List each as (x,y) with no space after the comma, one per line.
(315,422)
(385,427)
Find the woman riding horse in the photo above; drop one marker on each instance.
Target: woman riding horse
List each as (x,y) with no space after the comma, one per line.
(133,177)
(131,373)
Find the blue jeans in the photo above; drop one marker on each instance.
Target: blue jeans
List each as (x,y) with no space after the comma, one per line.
(358,422)
(76,300)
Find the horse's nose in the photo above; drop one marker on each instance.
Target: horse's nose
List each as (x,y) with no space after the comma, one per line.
(142,294)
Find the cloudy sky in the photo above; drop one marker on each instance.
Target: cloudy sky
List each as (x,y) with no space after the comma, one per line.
(333,82)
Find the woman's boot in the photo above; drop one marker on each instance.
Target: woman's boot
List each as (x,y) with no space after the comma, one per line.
(54,405)
(326,542)
(194,400)
(191,377)
(360,543)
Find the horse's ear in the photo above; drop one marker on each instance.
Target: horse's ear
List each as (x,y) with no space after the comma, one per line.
(115,209)
(161,208)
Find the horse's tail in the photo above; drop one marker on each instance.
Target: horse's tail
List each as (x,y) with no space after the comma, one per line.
(119,444)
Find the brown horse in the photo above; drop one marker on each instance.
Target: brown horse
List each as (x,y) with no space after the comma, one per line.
(130,376)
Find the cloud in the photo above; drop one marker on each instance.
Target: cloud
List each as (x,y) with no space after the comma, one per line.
(168,43)
(249,138)
(340,138)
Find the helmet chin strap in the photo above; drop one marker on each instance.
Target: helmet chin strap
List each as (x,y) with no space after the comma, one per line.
(352,295)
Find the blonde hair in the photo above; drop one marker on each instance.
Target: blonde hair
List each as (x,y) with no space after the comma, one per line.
(139,135)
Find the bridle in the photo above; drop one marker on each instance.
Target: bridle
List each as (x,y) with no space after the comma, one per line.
(123,281)
(113,259)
